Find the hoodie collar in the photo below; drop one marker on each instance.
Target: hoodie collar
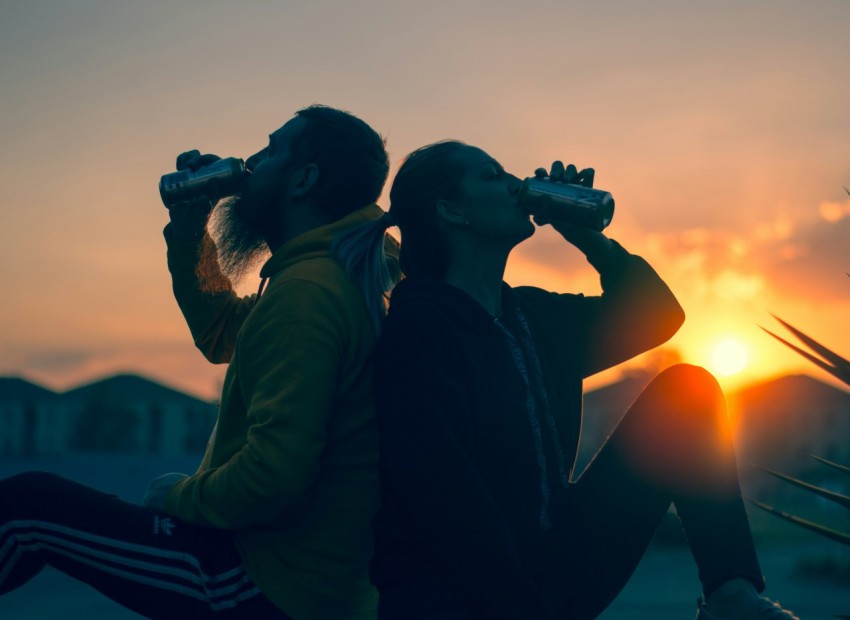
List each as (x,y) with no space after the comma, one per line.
(316,243)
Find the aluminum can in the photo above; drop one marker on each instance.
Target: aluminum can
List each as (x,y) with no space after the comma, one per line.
(566,202)
(221,178)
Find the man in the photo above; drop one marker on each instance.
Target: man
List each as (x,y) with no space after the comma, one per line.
(276,521)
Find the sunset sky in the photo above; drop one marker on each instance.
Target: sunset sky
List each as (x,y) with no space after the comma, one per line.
(722,128)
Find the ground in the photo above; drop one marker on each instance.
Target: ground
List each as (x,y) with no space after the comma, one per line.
(665,586)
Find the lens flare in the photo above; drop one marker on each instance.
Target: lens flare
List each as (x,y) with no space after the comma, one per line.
(729,357)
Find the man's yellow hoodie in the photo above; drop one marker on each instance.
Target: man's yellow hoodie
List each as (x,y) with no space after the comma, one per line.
(292,464)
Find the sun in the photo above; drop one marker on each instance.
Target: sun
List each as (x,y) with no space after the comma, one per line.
(729,357)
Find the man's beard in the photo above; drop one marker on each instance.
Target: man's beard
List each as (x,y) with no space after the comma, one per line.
(238,229)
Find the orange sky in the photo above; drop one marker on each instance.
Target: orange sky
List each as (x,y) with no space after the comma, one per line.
(721,128)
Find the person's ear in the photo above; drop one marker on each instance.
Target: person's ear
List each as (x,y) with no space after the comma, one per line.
(452,213)
(305,179)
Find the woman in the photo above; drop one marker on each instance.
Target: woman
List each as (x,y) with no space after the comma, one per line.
(478,393)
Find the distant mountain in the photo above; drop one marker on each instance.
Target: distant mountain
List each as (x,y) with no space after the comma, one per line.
(619,395)
(790,391)
(603,408)
(782,420)
(17,389)
(129,387)
(777,422)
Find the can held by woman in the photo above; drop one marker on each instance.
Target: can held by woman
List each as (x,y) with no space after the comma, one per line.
(566,202)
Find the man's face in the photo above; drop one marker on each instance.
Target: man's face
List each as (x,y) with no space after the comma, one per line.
(270,169)
(244,223)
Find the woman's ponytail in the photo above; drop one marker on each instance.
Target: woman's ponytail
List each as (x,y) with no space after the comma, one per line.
(363,254)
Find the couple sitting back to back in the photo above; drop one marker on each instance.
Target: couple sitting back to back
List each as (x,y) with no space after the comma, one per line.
(413,466)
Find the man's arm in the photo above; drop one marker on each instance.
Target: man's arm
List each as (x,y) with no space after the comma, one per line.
(206,297)
(289,356)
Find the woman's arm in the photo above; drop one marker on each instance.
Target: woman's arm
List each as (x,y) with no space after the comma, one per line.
(636,312)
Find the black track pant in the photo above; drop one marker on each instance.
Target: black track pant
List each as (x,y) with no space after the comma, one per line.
(142,559)
(672,446)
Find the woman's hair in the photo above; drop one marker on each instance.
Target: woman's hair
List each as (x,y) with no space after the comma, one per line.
(426,176)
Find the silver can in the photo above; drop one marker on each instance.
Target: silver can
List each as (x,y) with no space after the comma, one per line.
(221,178)
(565,202)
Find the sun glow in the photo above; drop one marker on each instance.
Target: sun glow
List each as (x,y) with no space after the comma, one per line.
(729,357)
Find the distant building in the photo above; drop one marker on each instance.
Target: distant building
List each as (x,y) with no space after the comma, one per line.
(125,413)
(33,420)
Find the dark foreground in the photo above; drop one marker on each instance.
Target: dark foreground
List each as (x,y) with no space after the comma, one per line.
(664,587)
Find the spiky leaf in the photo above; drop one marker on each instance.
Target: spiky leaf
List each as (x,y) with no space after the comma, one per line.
(815,346)
(835,365)
(838,498)
(805,523)
(840,468)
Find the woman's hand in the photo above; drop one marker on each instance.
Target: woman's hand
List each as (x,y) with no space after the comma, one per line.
(593,244)
(559,174)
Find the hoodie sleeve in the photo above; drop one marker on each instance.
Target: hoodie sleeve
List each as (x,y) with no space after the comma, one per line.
(288,365)
(213,311)
(427,468)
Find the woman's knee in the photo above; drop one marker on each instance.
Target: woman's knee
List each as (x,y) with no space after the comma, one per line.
(688,387)
(678,429)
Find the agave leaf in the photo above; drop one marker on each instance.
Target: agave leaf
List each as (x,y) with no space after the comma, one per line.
(833,358)
(841,373)
(840,468)
(815,346)
(838,498)
(805,523)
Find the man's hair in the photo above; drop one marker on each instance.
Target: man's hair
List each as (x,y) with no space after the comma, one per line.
(351,157)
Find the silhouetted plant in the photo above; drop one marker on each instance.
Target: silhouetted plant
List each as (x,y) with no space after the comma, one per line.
(839,368)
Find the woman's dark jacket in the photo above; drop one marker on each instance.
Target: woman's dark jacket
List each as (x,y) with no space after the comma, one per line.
(479,423)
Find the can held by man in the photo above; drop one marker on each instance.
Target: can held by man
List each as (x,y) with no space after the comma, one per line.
(221,178)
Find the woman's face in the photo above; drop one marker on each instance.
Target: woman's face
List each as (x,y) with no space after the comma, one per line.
(488,197)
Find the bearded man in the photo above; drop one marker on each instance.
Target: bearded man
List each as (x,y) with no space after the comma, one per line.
(275,523)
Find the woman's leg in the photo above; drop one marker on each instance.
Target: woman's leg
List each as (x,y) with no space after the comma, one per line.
(673,445)
(140,558)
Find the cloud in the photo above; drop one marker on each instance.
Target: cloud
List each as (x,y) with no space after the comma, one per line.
(834,211)
(812,262)
(804,258)
(60,360)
